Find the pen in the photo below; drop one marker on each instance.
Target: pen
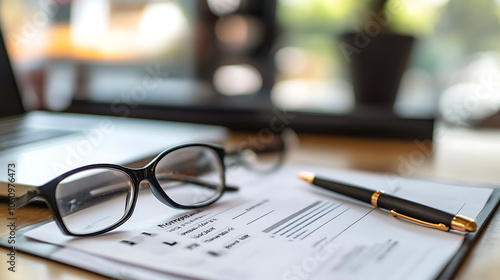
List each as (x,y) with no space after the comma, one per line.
(399,207)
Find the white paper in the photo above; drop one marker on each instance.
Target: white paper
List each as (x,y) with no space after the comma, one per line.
(108,267)
(279,227)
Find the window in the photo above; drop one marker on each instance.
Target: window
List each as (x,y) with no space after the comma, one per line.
(233,59)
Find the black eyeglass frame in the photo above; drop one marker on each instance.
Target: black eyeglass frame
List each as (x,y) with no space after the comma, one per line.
(47,192)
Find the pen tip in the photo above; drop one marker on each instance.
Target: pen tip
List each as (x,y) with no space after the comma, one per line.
(463,223)
(306,176)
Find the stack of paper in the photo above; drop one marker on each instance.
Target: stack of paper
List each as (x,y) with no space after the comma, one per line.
(278,227)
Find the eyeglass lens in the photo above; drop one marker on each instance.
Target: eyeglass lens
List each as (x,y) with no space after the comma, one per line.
(191,176)
(93,200)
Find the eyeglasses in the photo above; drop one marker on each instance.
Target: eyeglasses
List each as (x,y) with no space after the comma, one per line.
(98,198)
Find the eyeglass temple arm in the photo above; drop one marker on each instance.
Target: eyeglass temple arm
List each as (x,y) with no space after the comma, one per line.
(182,178)
(228,188)
(278,147)
(27,197)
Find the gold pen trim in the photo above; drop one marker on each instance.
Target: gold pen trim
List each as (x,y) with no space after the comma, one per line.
(462,223)
(439,226)
(374,199)
(307,176)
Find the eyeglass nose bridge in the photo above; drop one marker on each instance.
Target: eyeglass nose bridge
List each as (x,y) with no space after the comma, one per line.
(159,195)
(142,174)
(146,175)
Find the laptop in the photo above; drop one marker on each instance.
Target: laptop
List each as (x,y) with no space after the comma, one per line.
(38,146)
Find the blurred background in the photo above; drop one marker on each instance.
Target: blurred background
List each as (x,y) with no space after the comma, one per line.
(235,62)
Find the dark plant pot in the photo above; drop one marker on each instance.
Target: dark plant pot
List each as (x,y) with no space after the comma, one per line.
(376,65)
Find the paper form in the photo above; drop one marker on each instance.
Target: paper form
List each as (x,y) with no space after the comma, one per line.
(279,227)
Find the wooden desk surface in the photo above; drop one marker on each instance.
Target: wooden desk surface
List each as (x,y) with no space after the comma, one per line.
(458,154)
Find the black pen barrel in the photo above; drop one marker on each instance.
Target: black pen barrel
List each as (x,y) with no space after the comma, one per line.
(409,210)
(414,210)
(355,192)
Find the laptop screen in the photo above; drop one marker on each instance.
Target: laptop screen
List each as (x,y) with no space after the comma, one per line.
(11,103)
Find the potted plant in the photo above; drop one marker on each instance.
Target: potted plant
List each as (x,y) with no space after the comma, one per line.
(376,57)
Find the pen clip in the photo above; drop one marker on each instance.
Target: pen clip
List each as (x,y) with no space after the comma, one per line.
(439,226)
